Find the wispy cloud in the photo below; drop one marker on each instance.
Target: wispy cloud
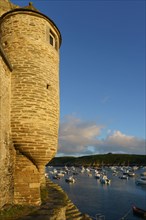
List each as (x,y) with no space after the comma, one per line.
(77,137)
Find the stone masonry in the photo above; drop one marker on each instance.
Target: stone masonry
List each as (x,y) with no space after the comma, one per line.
(29,101)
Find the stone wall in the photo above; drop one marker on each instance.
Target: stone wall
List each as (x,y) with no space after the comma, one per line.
(29,114)
(27,182)
(7,152)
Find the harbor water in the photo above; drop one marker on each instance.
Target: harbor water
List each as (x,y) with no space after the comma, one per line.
(114,200)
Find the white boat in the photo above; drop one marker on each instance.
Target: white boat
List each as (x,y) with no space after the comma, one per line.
(131,174)
(56,177)
(66,168)
(70,179)
(88,170)
(82,169)
(124,177)
(104,180)
(54,171)
(60,174)
(135,168)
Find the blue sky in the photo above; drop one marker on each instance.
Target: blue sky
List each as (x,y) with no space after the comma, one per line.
(102,74)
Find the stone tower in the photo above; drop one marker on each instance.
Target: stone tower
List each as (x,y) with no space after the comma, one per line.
(29,43)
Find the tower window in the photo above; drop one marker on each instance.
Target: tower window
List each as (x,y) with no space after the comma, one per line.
(53,40)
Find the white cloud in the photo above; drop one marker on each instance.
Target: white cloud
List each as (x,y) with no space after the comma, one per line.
(77,137)
(119,142)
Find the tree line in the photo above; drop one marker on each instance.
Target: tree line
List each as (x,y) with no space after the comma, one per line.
(100,160)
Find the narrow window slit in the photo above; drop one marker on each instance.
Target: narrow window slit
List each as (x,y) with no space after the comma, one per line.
(48,86)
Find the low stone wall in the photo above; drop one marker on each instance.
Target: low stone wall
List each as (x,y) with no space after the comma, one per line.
(26,181)
(55,206)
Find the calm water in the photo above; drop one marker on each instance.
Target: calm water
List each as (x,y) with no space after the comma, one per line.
(113,201)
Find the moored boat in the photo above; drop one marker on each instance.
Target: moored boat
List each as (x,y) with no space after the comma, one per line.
(104,180)
(138,211)
(56,177)
(131,174)
(124,177)
(70,179)
(60,174)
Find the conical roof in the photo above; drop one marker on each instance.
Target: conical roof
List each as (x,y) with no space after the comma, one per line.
(30,7)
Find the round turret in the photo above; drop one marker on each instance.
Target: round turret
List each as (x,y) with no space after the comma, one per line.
(31,41)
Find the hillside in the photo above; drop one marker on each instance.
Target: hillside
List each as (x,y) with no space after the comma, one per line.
(98,160)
